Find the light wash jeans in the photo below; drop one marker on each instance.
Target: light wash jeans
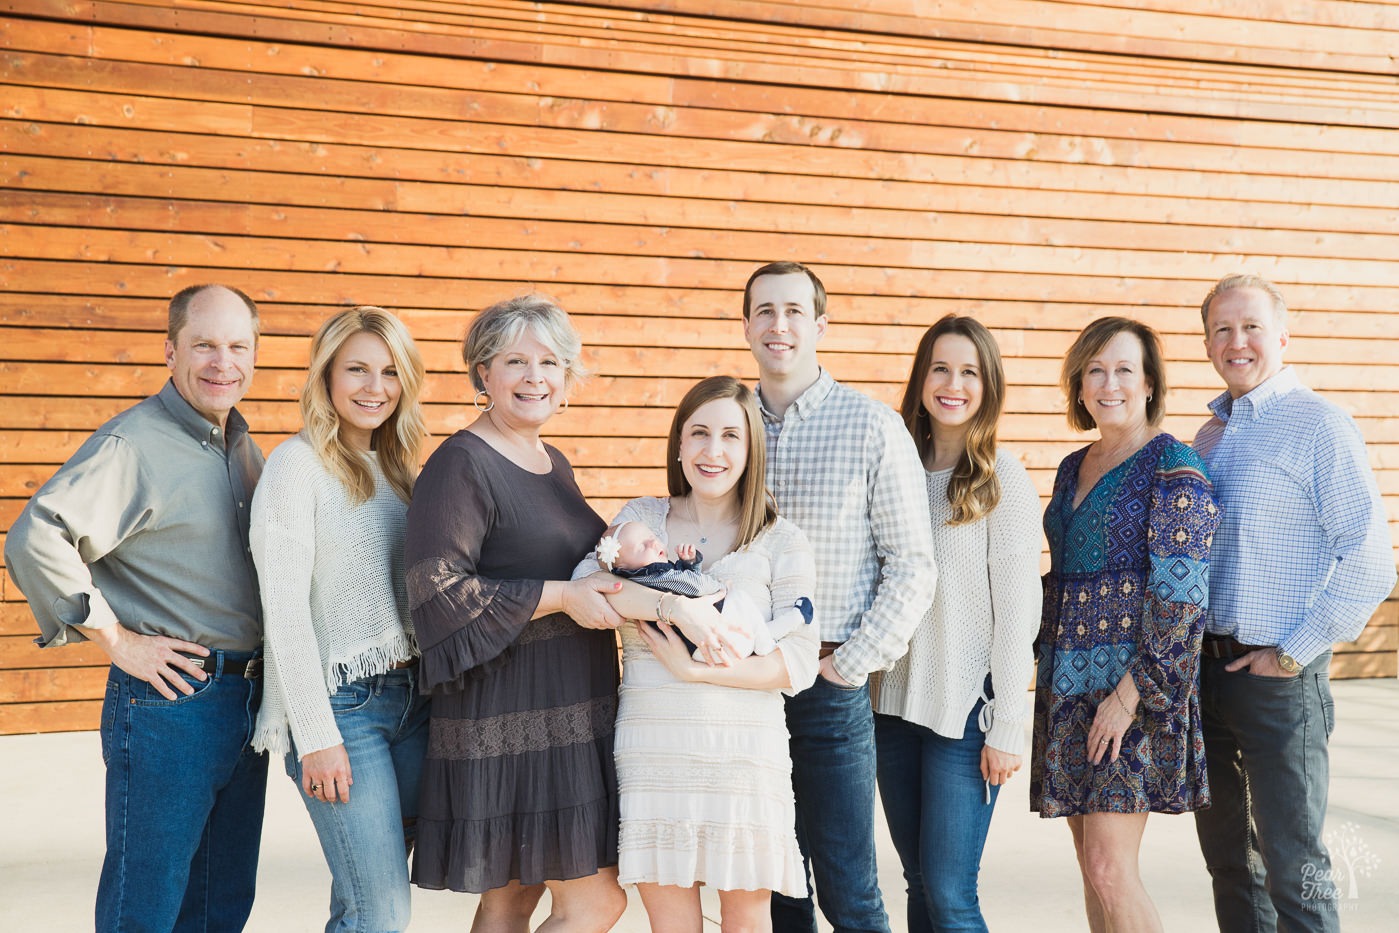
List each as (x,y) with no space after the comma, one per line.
(938,808)
(184,803)
(383,723)
(833,776)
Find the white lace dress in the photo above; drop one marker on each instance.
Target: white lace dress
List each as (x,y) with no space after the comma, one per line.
(703,771)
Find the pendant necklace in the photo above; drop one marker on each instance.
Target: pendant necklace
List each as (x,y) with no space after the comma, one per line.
(694,519)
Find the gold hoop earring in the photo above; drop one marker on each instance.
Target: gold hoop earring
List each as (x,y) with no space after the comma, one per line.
(477,402)
(564,406)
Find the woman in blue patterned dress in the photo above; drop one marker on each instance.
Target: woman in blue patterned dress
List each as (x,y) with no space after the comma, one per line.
(1117,710)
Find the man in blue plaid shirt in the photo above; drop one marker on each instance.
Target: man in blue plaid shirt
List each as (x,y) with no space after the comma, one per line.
(1300,560)
(843,469)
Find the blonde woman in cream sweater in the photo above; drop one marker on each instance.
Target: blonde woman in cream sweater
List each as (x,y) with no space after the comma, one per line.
(951,715)
(341,702)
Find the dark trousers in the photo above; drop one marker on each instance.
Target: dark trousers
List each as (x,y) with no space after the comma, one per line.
(1266,752)
(833,777)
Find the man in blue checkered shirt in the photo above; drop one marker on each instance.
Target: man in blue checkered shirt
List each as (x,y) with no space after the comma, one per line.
(1300,561)
(844,469)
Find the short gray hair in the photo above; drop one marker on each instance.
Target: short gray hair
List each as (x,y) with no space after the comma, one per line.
(1245,280)
(179,308)
(499,326)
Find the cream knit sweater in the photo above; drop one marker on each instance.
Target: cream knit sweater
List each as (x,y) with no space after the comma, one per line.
(984,617)
(334,601)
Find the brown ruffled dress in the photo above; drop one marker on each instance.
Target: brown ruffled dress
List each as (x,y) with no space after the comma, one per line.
(519,781)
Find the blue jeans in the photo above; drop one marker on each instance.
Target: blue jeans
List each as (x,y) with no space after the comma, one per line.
(383,723)
(937,807)
(833,777)
(1269,768)
(184,803)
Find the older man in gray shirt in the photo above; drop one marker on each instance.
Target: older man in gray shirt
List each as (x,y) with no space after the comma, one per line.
(139,544)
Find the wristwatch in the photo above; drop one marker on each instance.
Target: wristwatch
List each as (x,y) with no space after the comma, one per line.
(1288,663)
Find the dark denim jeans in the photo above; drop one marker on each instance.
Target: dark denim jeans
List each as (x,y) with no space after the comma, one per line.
(1266,751)
(383,723)
(833,775)
(937,807)
(184,804)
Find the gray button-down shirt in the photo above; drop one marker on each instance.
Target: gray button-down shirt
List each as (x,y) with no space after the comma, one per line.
(146,526)
(844,470)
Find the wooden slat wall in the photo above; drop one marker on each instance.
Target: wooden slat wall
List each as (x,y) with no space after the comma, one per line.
(1037,163)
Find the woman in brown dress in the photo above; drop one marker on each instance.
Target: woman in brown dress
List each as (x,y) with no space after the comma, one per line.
(519,791)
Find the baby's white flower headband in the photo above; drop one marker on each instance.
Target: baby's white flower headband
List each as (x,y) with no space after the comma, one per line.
(609,546)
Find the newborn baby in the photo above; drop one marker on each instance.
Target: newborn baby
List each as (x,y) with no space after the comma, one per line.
(630,550)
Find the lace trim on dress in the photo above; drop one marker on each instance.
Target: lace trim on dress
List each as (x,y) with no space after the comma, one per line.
(552,626)
(525,731)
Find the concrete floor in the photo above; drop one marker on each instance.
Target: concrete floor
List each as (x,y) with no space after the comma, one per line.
(51,844)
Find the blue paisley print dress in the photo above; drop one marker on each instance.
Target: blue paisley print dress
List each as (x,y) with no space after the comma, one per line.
(1127,589)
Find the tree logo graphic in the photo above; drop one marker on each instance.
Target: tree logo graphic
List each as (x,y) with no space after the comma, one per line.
(1351,859)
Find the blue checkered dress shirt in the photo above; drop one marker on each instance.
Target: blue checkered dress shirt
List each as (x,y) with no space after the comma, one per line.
(1302,556)
(844,470)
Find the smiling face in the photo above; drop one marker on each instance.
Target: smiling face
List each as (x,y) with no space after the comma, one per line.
(1245,339)
(714,448)
(212,357)
(1115,385)
(525,382)
(952,393)
(782,328)
(364,387)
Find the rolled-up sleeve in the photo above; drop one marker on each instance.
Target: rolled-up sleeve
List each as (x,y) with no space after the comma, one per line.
(95,501)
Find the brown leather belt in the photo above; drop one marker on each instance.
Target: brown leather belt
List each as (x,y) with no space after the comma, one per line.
(1225,648)
(828,648)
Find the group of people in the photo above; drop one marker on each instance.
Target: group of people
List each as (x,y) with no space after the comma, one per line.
(832,597)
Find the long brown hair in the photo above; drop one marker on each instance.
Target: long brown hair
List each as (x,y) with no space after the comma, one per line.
(757,510)
(974,489)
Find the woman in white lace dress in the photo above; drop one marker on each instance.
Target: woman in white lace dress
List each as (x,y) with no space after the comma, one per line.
(701,747)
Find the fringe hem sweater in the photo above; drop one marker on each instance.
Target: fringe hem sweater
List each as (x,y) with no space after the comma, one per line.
(334,600)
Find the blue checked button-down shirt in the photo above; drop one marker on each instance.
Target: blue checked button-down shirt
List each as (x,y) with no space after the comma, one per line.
(1302,556)
(844,470)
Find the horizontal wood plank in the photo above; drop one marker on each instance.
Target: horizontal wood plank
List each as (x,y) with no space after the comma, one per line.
(1034,163)
(49,685)
(65,716)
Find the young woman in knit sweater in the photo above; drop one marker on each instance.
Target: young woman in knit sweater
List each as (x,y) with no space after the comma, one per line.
(952,714)
(341,701)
